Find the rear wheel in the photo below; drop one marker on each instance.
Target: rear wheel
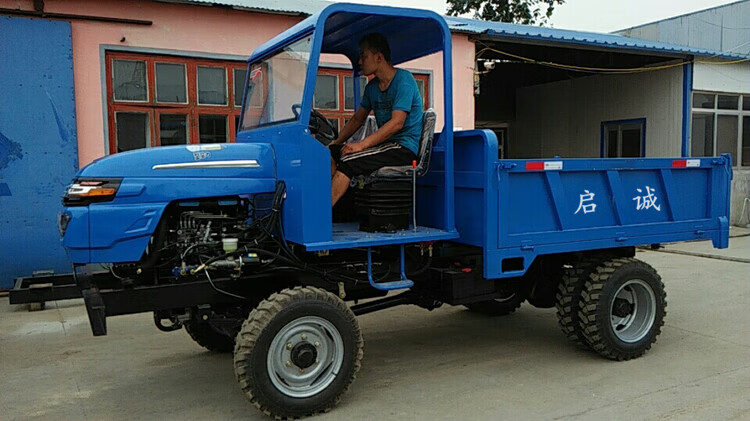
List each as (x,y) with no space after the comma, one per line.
(622,308)
(298,352)
(568,296)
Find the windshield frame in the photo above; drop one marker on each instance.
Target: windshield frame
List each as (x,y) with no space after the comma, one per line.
(312,68)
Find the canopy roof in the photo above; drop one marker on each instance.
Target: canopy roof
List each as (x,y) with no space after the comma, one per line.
(411,33)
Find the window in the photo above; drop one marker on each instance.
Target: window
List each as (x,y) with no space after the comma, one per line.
(155,100)
(326,92)
(212,85)
(173,129)
(719,125)
(132,130)
(334,93)
(702,135)
(503,151)
(129,80)
(349,91)
(171,83)
(212,128)
(279,81)
(624,139)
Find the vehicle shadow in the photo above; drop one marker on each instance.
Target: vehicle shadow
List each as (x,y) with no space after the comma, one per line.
(403,347)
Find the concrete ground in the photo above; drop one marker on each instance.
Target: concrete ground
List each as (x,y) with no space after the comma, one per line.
(447,364)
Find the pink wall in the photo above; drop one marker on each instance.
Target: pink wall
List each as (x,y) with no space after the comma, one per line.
(203,30)
(463,81)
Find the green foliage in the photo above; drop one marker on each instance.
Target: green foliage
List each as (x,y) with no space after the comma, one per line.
(528,12)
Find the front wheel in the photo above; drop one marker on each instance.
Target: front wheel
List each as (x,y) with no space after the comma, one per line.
(622,308)
(298,352)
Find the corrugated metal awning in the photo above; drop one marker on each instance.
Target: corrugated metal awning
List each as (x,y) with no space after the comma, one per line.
(491,29)
(297,7)
(538,34)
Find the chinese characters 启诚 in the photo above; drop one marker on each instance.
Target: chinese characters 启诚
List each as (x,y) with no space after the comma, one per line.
(586,203)
(646,201)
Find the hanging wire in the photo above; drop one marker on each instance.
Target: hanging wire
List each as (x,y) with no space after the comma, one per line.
(605,70)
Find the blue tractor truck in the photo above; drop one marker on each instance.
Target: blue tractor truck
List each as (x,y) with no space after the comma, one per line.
(238,242)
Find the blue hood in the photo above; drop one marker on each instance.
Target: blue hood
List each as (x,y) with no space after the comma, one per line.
(241,160)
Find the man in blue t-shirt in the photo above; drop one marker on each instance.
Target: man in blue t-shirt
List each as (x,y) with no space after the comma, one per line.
(394,97)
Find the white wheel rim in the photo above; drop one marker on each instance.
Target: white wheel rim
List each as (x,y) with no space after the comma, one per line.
(289,373)
(641,302)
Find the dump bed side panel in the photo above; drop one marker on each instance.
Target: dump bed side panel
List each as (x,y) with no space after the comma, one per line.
(536,207)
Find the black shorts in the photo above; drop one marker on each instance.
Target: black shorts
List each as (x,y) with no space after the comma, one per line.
(387,154)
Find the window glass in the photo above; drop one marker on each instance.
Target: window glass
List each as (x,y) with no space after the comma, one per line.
(129,80)
(212,85)
(702,135)
(173,129)
(726,135)
(746,141)
(746,102)
(284,75)
(171,85)
(326,92)
(612,136)
(623,140)
(132,131)
(728,102)
(239,83)
(349,91)
(212,128)
(335,122)
(631,143)
(703,100)
(420,86)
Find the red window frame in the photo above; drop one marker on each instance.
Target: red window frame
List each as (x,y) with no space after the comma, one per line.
(153,108)
(192,109)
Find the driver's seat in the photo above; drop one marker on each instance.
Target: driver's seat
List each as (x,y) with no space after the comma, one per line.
(384,199)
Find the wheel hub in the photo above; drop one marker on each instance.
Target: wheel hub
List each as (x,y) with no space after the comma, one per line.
(622,308)
(633,311)
(304,355)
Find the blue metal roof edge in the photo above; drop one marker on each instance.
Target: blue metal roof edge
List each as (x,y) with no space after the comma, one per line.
(565,36)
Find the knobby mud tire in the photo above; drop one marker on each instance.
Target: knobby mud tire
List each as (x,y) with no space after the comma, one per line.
(251,361)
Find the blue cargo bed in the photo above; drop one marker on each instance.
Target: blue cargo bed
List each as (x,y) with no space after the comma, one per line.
(521,209)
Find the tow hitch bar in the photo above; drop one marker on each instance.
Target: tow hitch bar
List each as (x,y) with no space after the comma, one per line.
(95,309)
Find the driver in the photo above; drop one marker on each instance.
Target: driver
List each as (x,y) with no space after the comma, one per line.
(395,98)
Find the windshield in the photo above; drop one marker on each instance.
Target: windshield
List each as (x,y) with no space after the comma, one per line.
(275,85)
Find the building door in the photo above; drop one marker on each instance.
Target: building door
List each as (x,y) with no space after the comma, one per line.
(38,143)
(624,139)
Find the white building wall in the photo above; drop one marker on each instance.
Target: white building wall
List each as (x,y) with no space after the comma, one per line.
(732,78)
(564,118)
(724,28)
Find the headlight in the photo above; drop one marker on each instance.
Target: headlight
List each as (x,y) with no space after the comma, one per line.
(82,192)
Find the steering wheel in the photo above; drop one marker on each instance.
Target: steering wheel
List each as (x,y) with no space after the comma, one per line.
(322,128)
